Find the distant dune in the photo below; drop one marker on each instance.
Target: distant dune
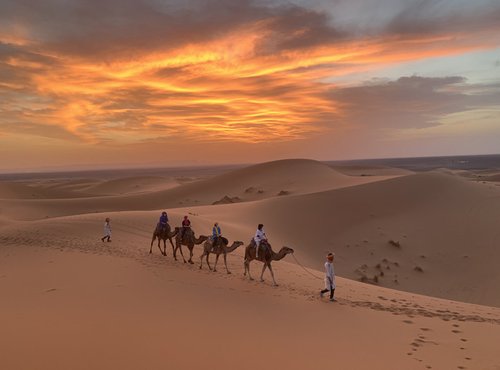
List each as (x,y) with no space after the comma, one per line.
(248,184)
(130,185)
(19,190)
(495,178)
(358,170)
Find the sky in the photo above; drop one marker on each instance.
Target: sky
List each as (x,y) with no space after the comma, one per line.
(114,83)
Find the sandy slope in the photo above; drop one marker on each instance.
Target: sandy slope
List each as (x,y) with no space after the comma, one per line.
(74,302)
(447,228)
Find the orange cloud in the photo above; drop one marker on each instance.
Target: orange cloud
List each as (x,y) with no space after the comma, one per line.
(262,80)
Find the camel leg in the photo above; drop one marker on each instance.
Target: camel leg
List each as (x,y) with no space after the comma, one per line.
(182,254)
(247,269)
(151,247)
(172,244)
(159,246)
(216,260)
(272,274)
(164,247)
(262,274)
(201,259)
(208,262)
(225,263)
(190,260)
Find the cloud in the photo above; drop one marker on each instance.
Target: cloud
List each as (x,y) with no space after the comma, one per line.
(411,102)
(423,17)
(223,70)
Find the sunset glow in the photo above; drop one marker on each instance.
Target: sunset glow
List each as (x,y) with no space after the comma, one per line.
(279,74)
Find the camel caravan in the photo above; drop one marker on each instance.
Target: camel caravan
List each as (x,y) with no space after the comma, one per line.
(258,249)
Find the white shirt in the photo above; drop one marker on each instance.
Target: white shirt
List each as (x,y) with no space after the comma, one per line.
(107,228)
(259,235)
(329,275)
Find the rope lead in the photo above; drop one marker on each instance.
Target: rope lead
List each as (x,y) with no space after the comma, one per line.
(306,270)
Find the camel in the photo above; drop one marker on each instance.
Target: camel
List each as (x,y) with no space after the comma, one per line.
(221,248)
(189,240)
(265,256)
(163,235)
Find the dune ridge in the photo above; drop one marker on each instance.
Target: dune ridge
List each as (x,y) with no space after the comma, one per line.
(248,184)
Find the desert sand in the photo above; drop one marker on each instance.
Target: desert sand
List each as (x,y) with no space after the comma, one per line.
(416,254)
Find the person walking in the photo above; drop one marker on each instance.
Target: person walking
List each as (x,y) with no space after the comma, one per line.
(107,230)
(329,277)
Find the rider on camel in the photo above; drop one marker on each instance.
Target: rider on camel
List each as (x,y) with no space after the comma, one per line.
(260,236)
(162,224)
(186,225)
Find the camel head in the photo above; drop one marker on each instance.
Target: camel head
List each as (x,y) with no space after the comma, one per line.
(286,250)
(238,243)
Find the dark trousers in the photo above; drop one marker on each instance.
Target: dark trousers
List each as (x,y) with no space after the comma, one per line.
(183,231)
(332,291)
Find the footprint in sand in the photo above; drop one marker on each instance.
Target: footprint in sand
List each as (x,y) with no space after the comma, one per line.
(456,331)
(463,339)
(50,290)
(408,321)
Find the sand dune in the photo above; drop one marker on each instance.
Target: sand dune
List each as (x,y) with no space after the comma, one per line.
(77,188)
(495,178)
(19,190)
(131,310)
(257,182)
(69,295)
(358,170)
(446,228)
(131,185)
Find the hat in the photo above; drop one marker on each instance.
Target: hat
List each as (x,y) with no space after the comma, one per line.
(330,255)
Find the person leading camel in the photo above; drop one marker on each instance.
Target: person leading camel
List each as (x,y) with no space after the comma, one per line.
(162,224)
(329,277)
(260,236)
(186,225)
